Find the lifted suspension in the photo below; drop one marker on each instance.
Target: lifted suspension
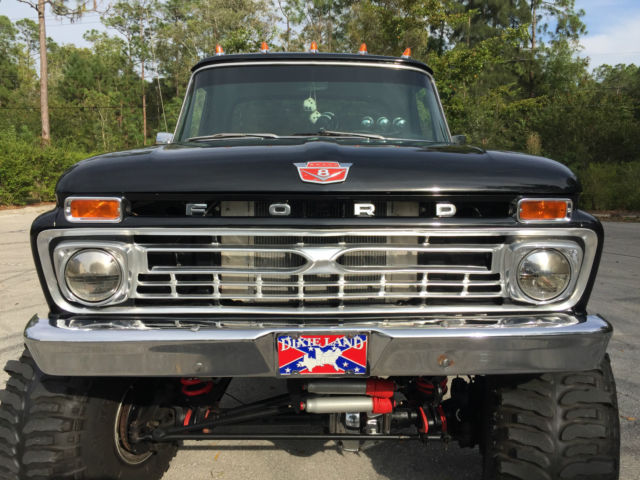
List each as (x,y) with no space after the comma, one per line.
(325,409)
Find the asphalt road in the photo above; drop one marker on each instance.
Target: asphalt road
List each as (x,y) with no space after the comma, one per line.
(616,296)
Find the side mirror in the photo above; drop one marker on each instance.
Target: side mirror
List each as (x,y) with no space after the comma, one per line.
(163,138)
(459,139)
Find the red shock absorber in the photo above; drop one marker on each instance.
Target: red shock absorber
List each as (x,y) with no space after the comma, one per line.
(433,389)
(194,387)
(443,420)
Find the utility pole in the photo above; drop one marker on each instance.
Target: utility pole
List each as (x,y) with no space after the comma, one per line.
(59,9)
(144,98)
(44,91)
(534,26)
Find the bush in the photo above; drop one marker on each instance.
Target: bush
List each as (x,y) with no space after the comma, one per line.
(610,186)
(28,172)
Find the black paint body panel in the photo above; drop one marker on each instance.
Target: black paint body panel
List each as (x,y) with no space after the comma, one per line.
(268,167)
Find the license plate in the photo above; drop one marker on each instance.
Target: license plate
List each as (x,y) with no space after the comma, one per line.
(322,354)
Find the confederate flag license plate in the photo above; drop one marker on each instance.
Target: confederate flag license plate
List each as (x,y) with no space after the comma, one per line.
(322,354)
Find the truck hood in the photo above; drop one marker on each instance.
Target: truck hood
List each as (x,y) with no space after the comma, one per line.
(269,167)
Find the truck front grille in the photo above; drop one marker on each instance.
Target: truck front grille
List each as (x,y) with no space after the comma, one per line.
(331,270)
(222,274)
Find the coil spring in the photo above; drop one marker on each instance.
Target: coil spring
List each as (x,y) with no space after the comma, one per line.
(194,387)
(428,386)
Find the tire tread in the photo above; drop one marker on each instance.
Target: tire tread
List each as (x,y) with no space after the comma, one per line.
(553,426)
(45,424)
(29,427)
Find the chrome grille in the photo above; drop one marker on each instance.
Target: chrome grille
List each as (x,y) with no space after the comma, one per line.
(466,270)
(328,270)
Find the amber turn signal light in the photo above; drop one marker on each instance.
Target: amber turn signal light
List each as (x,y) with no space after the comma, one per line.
(543,210)
(93,209)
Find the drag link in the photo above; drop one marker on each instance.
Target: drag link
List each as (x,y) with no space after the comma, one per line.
(240,436)
(161,434)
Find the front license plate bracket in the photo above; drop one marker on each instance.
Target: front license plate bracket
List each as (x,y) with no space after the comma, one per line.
(322,354)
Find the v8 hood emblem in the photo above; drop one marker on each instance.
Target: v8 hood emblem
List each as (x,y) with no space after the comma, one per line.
(323,172)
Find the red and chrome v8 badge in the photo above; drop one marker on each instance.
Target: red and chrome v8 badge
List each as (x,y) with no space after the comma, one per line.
(323,172)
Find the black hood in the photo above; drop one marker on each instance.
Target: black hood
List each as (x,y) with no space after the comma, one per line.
(269,167)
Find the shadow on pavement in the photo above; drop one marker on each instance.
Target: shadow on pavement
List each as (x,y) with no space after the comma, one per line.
(394,460)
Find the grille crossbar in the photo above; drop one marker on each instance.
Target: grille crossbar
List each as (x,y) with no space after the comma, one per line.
(380,270)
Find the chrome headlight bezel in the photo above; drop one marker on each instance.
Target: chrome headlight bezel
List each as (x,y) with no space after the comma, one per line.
(64,252)
(532,259)
(517,252)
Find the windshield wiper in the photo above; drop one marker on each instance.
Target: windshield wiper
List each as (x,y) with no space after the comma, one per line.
(333,133)
(217,136)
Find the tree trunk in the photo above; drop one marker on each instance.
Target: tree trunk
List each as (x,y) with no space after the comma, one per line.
(288,35)
(534,26)
(144,116)
(44,91)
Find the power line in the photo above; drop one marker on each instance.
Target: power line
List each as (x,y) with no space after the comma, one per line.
(617,52)
(54,17)
(72,23)
(91,107)
(627,107)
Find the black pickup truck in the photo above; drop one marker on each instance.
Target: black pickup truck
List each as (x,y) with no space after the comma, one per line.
(313,220)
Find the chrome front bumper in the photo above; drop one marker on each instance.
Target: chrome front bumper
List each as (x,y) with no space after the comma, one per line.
(444,346)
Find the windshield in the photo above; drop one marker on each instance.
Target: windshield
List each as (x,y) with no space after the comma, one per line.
(305,100)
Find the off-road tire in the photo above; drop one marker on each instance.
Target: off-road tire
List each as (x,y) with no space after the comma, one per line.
(63,428)
(555,426)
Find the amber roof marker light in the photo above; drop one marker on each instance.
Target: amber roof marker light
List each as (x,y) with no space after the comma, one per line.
(544,210)
(219,50)
(93,209)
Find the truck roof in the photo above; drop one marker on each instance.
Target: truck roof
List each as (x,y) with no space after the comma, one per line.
(304,56)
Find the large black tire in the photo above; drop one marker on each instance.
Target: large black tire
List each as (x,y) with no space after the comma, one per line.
(64,428)
(556,426)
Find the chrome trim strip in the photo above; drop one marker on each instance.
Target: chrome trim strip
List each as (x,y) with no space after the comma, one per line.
(396,66)
(69,218)
(587,237)
(555,220)
(440,346)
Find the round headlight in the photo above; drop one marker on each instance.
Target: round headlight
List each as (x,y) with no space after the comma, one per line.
(93,275)
(544,274)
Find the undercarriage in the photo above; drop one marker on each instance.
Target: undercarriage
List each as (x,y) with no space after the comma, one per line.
(349,411)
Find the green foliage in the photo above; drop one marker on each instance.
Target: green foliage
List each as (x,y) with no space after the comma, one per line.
(29,172)
(611,186)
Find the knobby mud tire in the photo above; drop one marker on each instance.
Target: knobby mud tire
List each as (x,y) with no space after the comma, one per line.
(557,426)
(63,428)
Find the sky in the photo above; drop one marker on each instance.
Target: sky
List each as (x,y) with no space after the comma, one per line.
(613,28)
